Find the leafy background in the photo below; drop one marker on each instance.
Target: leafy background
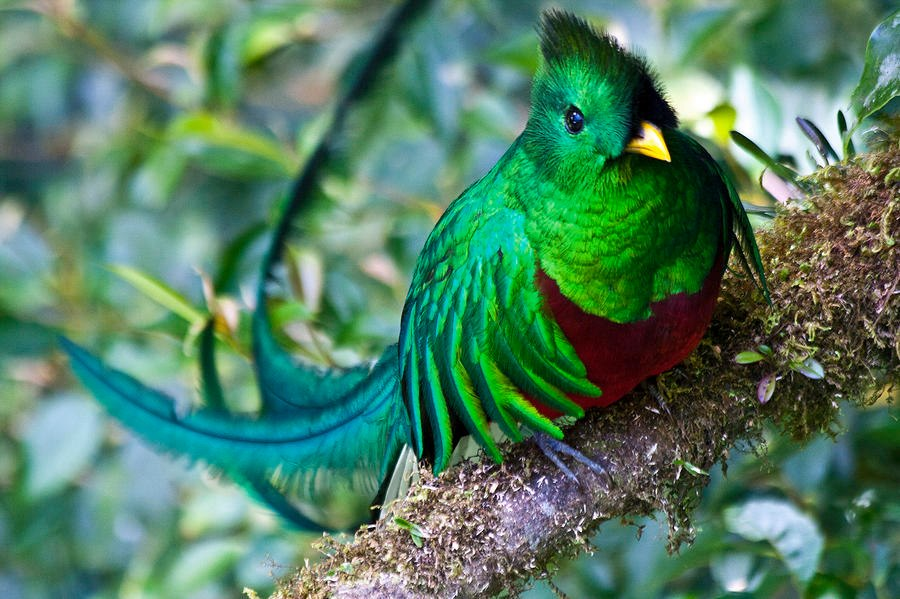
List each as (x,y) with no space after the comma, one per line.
(144,145)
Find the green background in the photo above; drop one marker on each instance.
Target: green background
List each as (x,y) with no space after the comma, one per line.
(161,134)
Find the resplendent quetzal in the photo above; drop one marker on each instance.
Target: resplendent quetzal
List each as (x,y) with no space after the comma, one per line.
(588,259)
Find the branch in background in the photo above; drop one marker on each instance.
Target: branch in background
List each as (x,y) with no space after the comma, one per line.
(61,15)
(480,528)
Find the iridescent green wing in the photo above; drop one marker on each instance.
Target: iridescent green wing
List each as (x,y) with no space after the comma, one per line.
(475,339)
(743,240)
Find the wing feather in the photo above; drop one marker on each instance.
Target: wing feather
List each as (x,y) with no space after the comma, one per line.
(518,405)
(489,391)
(437,410)
(458,388)
(476,340)
(738,229)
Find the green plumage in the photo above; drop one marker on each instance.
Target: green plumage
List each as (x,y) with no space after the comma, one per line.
(615,231)
(580,199)
(304,457)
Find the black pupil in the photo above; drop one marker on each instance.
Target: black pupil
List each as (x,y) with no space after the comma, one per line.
(574,120)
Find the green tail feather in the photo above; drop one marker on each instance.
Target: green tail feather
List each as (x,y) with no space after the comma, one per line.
(324,437)
(284,383)
(301,462)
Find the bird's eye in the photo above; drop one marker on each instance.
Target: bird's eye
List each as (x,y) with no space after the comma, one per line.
(574,120)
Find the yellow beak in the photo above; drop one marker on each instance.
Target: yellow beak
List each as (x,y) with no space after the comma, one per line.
(649,142)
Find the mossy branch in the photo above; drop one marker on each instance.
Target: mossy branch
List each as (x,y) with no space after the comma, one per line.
(483,528)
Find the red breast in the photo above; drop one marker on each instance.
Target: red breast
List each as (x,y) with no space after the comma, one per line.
(619,356)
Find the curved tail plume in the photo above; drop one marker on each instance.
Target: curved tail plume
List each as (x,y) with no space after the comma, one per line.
(297,462)
(325,439)
(281,380)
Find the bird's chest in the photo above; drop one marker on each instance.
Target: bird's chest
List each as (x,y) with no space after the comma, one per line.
(618,356)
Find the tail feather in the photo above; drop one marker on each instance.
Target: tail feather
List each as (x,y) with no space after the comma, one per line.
(283,383)
(309,457)
(286,385)
(321,434)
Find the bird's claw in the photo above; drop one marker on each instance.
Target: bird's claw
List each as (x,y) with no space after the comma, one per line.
(650,386)
(552,448)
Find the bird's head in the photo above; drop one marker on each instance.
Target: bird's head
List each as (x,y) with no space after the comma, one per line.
(592,101)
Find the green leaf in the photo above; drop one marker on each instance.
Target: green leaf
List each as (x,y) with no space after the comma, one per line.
(723,118)
(818,138)
(828,586)
(266,36)
(288,312)
(226,273)
(794,535)
(159,292)
(221,58)
(415,531)
(695,470)
(773,165)
(158,175)
(810,368)
(60,440)
(880,80)
(749,357)
(272,28)
(846,139)
(210,384)
(224,148)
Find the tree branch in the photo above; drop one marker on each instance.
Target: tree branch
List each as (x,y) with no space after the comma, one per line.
(484,528)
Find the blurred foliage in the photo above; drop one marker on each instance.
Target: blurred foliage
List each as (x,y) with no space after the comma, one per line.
(144,145)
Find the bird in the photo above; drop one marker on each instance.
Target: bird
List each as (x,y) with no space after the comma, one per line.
(586,261)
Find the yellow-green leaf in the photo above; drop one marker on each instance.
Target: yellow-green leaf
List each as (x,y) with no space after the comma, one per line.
(225,148)
(159,292)
(748,357)
(691,468)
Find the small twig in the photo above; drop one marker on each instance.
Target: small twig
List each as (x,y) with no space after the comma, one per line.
(59,13)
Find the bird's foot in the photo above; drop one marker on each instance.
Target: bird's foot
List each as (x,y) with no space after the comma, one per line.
(650,387)
(552,448)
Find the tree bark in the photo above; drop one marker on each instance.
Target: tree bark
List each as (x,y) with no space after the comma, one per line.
(481,528)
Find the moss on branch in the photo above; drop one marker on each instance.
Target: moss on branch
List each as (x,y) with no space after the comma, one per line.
(485,528)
